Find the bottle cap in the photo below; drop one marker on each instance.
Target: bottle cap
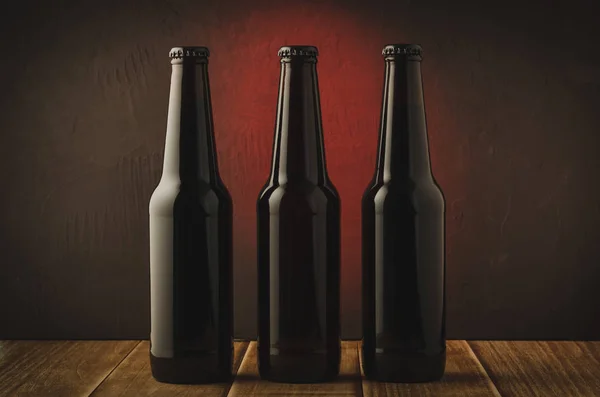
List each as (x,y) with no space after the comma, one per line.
(189,52)
(412,52)
(304,51)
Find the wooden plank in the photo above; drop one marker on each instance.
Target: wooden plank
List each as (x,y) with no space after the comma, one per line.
(134,378)
(591,349)
(541,368)
(249,384)
(58,368)
(464,376)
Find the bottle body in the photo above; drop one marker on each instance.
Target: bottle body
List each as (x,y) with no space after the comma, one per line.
(191,216)
(403,283)
(298,225)
(403,241)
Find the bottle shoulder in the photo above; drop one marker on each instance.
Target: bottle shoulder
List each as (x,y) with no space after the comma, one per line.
(170,192)
(297,188)
(424,193)
(296,194)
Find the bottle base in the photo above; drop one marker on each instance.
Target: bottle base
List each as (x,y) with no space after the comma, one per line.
(192,370)
(405,367)
(299,368)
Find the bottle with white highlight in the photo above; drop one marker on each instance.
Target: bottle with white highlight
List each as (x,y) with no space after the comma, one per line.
(191,211)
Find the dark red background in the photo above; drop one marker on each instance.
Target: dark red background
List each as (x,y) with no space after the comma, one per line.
(511,91)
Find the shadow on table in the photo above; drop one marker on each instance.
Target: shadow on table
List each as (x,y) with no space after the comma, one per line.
(462,377)
(343,378)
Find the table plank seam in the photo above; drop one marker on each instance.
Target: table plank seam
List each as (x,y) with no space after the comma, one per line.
(114,368)
(484,369)
(360,372)
(239,365)
(246,347)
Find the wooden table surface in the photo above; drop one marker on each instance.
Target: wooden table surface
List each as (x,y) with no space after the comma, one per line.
(121,368)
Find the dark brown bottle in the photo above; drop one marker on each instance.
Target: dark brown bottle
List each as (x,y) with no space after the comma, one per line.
(191,293)
(298,216)
(403,237)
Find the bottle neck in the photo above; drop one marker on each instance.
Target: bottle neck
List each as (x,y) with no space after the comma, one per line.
(298,149)
(403,146)
(190,153)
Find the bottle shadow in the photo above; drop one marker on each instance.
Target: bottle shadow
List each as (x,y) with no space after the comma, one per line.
(342,378)
(463,377)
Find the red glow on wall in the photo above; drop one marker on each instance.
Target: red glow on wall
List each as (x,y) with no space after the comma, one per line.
(244,80)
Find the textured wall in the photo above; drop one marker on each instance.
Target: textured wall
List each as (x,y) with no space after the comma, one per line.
(512,95)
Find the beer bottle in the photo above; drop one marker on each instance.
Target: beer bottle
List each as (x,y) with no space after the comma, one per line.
(403,237)
(298,216)
(190,238)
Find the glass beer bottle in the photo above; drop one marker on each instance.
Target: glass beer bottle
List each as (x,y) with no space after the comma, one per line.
(298,216)
(403,237)
(191,293)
